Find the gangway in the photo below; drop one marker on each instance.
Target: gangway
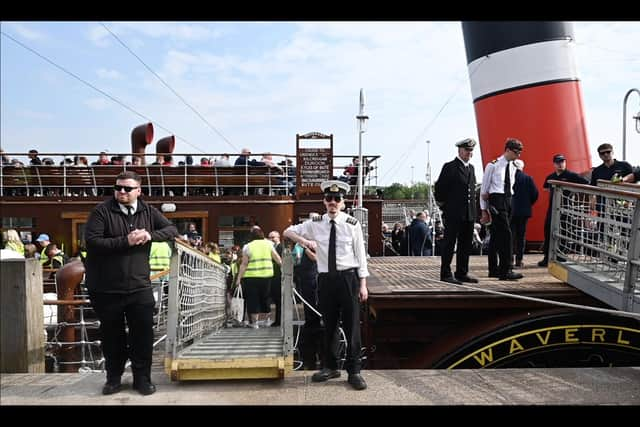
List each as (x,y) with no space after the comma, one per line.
(595,241)
(201,344)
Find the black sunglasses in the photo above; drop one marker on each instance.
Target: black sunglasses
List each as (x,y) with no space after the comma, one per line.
(605,152)
(329,198)
(468,149)
(123,187)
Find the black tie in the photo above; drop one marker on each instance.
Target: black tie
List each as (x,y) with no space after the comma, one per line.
(507,181)
(130,216)
(332,248)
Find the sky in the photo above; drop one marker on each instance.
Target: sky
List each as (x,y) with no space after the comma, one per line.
(258,84)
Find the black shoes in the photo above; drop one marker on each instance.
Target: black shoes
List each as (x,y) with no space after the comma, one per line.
(451,279)
(466,278)
(511,276)
(325,374)
(543,263)
(112,386)
(357,382)
(144,386)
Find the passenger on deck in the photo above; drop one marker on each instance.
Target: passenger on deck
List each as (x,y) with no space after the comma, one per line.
(222,162)
(243,159)
(342,278)
(34,159)
(103,160)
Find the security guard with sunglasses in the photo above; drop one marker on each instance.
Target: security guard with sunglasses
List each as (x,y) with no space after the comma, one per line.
(338,242)
(118,234)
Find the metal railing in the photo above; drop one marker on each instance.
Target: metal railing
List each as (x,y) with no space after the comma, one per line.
(595,241)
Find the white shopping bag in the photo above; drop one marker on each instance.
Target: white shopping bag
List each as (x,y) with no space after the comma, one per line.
(236,311)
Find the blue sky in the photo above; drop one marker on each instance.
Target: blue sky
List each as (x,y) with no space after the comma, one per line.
(259,84)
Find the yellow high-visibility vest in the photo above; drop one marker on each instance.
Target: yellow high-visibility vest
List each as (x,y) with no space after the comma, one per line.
(160,256)
(260,264)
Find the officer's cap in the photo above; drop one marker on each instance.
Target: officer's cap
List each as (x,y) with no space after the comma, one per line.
(466,143)
(334,187)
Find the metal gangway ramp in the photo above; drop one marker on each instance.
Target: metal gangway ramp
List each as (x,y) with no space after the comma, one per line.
(595,241)
(201,343)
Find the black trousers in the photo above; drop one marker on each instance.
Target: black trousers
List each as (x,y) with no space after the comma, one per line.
(118,345)
(462,232)
(519,231)
(338,295)
(501,240)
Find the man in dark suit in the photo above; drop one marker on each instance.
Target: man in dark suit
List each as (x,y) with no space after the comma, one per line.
(455,194)
(525,194)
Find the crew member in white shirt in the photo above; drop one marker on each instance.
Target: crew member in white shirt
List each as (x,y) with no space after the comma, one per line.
(338,242)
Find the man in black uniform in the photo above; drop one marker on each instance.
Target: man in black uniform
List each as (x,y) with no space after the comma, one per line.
(455,194)
(495,202)
(561,174)
(338,242)
(118,235)
(610,169)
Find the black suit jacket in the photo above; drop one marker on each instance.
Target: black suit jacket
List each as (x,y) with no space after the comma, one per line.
(455,191)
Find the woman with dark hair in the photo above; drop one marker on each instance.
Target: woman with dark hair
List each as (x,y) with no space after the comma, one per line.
(256,271)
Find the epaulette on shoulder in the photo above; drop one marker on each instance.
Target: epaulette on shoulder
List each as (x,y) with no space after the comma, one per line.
(316,218)
(494,160)
(351,220)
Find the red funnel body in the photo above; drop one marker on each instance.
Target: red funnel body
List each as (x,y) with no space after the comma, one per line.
(524,85)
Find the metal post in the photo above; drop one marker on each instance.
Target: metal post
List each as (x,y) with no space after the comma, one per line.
(361,122)
(624,122)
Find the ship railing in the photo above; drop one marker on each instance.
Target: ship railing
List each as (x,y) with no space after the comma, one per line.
(595,241)
(67,179)
(197,298)
(200,326)
(369,172)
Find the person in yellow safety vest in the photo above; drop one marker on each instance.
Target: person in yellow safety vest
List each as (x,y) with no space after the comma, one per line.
(55,257)
(159,256)
(255,275)
(13,242)
(43,240)
(214,252)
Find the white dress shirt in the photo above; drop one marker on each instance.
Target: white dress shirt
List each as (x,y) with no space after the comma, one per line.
(350,252)
(493,179)
(124,209)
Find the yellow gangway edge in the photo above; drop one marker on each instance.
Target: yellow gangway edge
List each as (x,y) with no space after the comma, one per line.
(245,368)
(558,271)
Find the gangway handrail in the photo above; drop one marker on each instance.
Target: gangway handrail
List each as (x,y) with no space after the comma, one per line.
(595,241)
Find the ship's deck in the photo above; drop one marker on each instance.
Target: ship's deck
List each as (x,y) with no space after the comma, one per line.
(396,275)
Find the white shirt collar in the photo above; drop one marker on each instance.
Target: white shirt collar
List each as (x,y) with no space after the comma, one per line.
(463,162)
(124,209)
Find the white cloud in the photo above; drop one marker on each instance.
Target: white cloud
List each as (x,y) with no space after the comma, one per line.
(99,104)
(25,32)
(35,115)
(103,73)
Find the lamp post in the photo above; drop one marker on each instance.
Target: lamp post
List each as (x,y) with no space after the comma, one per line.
(362,117)
(624,121)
